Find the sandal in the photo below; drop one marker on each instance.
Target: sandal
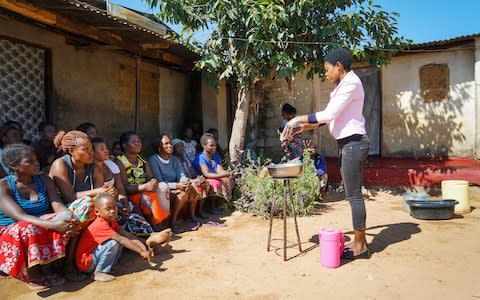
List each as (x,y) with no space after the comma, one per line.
(214,224)
(39,284)
(348,254)
(195,225)
(54,279)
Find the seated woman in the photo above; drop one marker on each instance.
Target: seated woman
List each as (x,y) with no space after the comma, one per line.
(190,144)
(139,183)
(27,200)
(179,152)
(116,149)
(88,128)
(20,130)
(199,183)
(8,135)
(209,164)
(78,181)
(220,151)
(75,174)
(44,147)
(127,217)
(167,168)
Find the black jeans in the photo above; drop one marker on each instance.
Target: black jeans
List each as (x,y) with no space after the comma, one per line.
(352,158)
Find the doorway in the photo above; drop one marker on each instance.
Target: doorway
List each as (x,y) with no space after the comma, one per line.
(372,107)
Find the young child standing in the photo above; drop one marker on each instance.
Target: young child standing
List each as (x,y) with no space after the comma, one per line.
(102,242)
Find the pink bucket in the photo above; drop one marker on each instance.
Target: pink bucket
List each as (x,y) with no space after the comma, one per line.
(332,242)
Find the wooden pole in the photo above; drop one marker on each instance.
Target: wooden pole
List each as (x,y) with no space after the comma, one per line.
(137,93)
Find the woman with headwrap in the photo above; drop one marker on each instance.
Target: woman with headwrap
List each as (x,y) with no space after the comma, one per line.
(78,181)
(347,125)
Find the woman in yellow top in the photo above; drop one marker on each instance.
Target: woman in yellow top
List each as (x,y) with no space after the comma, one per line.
(142,188)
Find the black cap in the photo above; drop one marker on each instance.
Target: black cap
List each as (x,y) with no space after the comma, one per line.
(287,108)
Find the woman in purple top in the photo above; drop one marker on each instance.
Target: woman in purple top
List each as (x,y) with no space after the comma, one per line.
(347,125)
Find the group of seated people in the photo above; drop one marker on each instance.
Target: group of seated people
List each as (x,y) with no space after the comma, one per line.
(65,196)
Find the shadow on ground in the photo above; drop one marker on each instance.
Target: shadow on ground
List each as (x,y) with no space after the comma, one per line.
(130,262)
(390,234)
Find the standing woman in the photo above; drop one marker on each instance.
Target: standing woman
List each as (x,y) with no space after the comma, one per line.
(347,126)
(139,183)
(30,237)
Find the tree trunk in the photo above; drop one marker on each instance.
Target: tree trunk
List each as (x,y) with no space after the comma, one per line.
(237,140)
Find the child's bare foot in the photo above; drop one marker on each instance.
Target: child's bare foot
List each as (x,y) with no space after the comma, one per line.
(104,277)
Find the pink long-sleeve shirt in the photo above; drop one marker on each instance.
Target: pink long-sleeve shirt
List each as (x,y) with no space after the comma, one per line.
(344,110)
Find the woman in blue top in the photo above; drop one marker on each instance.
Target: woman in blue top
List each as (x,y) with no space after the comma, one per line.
(30,236)
(209,164)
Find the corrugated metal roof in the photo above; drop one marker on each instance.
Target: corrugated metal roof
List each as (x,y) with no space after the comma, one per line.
(137,28)
(446,43)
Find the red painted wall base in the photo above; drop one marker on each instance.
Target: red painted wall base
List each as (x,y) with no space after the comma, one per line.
(413,171)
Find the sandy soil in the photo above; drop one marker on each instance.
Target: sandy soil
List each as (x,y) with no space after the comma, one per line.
(412,259)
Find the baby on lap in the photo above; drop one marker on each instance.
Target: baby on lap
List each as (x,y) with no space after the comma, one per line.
(102,242)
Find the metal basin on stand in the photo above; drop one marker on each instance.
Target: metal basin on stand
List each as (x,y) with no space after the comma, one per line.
(286,170)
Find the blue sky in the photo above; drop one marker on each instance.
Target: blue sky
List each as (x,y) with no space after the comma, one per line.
(420,20)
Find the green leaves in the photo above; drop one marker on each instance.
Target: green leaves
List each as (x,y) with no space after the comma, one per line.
(252,37)
(255,193)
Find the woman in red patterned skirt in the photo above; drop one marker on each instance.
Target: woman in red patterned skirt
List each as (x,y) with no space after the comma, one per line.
(31,237)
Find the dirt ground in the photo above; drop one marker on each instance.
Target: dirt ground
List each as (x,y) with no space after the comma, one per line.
(412,259)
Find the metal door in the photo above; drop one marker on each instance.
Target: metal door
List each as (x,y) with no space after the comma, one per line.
(372,108)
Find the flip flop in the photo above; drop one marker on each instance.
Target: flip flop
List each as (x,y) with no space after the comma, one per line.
(194,226)
(348,254)
(214,224)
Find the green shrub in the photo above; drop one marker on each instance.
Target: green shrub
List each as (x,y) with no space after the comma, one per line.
(254,193)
